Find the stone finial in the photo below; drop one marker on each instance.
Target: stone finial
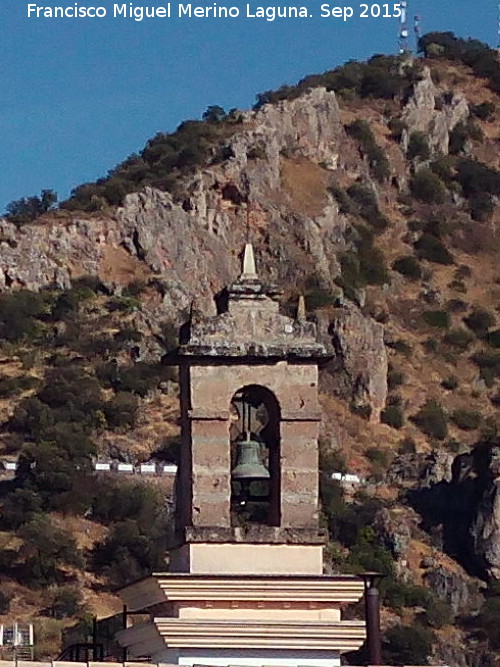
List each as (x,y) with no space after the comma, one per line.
(301,309)
(249,271)
(196,310)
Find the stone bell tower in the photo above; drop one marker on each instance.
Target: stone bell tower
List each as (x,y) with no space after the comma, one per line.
(245,585)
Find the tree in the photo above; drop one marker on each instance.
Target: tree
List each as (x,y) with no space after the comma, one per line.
(428,187)
(407,645)
(66,602)
(27,209)
(128,552)
(19,507)
(214,114)
(432,420)
(418,146)
(46,548)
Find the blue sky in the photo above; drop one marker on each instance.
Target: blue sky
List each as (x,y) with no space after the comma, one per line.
(80,95)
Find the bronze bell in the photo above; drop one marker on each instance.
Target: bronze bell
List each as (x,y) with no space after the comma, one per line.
(249,463)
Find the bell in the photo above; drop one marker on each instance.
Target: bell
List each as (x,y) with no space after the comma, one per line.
(249,461)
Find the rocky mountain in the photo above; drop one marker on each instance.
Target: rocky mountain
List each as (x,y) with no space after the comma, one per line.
(373,190)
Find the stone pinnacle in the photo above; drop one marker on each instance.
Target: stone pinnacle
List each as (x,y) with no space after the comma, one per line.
(249,271)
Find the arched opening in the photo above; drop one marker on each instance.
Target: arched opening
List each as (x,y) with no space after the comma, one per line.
(255,457)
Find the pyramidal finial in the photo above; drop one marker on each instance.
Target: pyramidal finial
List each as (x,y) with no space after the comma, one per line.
(249,271)
(301,309)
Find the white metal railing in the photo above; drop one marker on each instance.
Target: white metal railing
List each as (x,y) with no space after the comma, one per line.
(149,468)
(17,634)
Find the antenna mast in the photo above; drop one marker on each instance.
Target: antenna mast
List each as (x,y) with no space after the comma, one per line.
(498,27)
(418,30)
(403,28)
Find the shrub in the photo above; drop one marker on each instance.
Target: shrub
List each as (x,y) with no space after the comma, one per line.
(432,420)
(489,363)
(139,378)
(480,320)
(494,338)
(458,286)
(319,297)
(363,195)
(476,178)
(483,111)
(428,187)
(123,304)
(438,613)
(20,506)
(345,202)
(418,146)
(45,550)
(401,346)
(462,271)
(397,127)
(121,410)
(450,383)
(170,450)
(443,166)
(20,313)
(407,446)
(4,602)
(481,206)
(431,248)
(430,345)
(129,552)
(372,264)
(437,318)
(395,378)
(363,410)
(408,266)
(367,206)
(377,456)
(467,420)
(71,386)
(399,594)
(10,386)
(66,602)
(459,338)
(118,501)
(461,133)
(456,306)
(407,645)
(393,416)
(68,302)
(487,620)
(377,160)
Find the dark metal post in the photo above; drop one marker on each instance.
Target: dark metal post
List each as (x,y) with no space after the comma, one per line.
(94,639)
(124,625)
(372,617)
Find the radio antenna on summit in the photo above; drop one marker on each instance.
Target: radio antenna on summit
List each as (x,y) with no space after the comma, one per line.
(403,28)
(498,26)
(418,31)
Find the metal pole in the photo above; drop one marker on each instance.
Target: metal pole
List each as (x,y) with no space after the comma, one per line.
(372,612)
(94,639)
(124,625)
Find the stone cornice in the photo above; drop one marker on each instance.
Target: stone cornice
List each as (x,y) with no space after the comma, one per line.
(180,633)
(177,587)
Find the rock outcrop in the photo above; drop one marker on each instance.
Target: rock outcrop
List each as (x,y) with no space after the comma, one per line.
(485,528)
(432,113)
(359,371)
